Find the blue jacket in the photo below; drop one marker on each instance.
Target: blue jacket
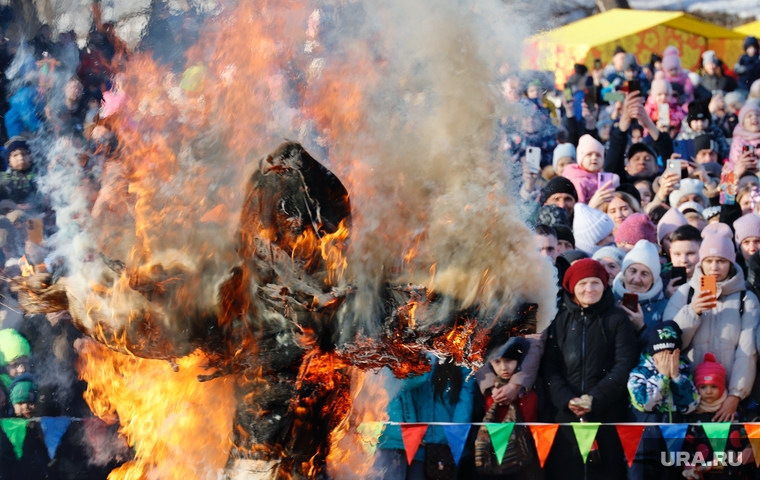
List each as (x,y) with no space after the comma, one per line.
(653,393)
(415,402)
(24,114)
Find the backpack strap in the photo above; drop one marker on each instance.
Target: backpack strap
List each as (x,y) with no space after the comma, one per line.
(742,300)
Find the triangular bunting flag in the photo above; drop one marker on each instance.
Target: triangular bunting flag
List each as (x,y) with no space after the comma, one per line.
(412,433)
(53,429)
(630,436)
(543,436)
(15,430)
(753,434)
(584,435)
(717,434)
(456,434)
(500,433)
(673,433)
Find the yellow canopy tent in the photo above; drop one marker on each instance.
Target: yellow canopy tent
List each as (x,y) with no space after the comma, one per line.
(640,32)
(752,28)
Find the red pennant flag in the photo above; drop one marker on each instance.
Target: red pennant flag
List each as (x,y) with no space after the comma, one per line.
(630,436)
(543,436)
(412,434)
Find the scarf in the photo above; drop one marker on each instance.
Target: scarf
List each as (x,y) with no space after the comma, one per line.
(746,134)
(712,407)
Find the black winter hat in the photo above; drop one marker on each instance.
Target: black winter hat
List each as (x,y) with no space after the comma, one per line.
(574,255)
(565,233)
(515,349)
(553,216)
(654,59)
(580,69)
(705,142)
(698,111)
(640,147)
(664,336)
(618,49)
(630,190)
(751,42)
(558,185)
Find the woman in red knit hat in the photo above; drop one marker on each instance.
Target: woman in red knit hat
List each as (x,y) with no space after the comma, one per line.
(590,349)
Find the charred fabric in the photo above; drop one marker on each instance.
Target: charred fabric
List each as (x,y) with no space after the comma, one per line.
(282,323)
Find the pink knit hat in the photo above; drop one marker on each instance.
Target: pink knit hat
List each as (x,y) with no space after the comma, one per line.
(717,242)
(659,85)
(669,223)
(634,228)
(670,59)
(748,107)
(747,226)
(588,144)
(710,372)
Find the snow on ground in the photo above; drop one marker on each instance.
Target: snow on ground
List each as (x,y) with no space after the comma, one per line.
(744,8)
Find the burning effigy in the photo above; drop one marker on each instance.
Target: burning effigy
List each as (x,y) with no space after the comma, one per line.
(311,199)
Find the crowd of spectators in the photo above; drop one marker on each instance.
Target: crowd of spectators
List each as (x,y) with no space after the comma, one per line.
(641,184)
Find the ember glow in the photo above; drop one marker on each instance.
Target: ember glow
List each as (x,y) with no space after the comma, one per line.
(249,293)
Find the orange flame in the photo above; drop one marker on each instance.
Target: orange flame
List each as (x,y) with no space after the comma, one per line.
(26,268)
(179,427)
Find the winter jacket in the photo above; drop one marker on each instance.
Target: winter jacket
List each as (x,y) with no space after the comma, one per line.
(585,183)
(653,392)
(676,112)
(748,69)
(415,402)
(737,145)
(687,133)
(18,186)
(652,303)
(615,160)
(590,351)
(24,114)
(714,82)
(727,123)
(722,330)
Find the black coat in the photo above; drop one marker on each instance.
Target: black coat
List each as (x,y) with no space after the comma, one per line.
(590,351)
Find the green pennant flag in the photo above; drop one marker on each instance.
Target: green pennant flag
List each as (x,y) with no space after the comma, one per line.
(585,433)
(500,433)
(369,433)
(717,434)
(15,430)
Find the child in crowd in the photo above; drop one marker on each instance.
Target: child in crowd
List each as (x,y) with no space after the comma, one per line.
(24,395)
(720,320)
(503,364)
(748,66)
(661,93)
(564,155)
(683,89)
(18,184)
(710,379)
(661,391)
(585,174)
(742,158)
(15,355)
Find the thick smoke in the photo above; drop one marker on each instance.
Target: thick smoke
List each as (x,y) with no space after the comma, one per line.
(399,99)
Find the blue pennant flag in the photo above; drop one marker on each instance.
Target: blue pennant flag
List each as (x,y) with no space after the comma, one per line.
(457,436)
(53,429)
(674,435)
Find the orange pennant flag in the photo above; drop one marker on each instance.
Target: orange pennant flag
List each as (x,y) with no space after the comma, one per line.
(412,433)
(753,434)
(543,436)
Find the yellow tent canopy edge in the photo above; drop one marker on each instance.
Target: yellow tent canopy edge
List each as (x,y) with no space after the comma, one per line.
(752,28)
